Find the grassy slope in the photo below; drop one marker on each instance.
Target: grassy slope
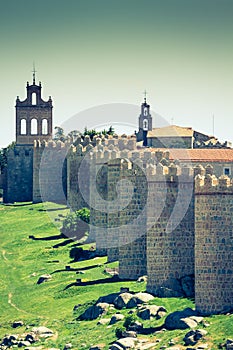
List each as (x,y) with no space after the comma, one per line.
(23,260)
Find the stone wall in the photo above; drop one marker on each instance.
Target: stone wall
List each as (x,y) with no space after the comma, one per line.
(49,171)
(170,241)
(213,244)
(18,186)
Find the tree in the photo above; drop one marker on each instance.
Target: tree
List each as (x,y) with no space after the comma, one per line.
(75,225)
(3,156)
(59,134)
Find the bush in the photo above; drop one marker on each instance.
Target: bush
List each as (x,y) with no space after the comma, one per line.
(119,331)
(75,225)
(129,320)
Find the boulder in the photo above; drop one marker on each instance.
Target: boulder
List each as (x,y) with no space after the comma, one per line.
(136,326)
(44,278)
(124,343)
(148,311)
(94,311)
(97,347)
(108,298)
(17,324)
(192,337)
(163,292)
(24,344)
(122,300)
(229,344)
(182,319)
(42,332)
(139,298)
(187,284)
(116,318)
(131,334)
(103,321)
(142,279)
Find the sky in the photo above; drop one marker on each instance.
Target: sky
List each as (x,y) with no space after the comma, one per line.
(94,53)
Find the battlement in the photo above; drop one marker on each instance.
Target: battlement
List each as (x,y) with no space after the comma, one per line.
(211,184)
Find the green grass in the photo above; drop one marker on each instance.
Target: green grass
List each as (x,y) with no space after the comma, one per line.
(23,260)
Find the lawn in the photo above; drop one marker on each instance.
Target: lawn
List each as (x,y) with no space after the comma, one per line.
(23,260)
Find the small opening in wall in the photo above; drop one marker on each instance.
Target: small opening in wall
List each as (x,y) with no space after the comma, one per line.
(227,171)
(34,98)
(44,127)
(34,127)
(23,127)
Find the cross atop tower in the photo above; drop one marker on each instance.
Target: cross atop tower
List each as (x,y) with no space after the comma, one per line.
(145,93)
(34,74)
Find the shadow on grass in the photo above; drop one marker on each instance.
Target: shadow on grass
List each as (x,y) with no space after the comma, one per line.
(76,269)
(53,238)
(112,279)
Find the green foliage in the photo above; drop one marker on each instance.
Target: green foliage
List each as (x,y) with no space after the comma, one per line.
(84,214)
(129,320)
(59,134)
(75,224)
(119,331)
(3,156)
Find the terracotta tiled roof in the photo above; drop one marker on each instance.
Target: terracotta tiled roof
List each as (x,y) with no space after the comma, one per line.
(202,155)
(171,131)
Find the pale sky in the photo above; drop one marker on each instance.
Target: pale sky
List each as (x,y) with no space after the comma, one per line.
(90,53)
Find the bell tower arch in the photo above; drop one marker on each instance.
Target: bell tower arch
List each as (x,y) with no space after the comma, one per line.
(34,119)
(145,122)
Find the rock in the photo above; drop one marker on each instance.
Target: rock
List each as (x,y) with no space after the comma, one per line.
(187,284)
(17,324)
(163,292)
(148,311)
(136,326)
(24,343)
(93,312)
(142,279)
(116,318)
(97,347)
(115,346)
(42,331)
(108,298)
(125,343)
(143,297)
(181,319)
(122,300)
(31,337)
(192,337)
(131,334)
(44,278)
(68,346)
(229,344)
(103,321)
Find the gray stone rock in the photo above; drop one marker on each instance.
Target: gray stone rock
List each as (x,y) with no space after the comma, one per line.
(148,311)
(108,298)
(229,344)
(126,343)
(163,292)
(44,278)
(142,279)
(97,347)
(93,312)
(187,284)
(139,298)
(122,300)
(136,326)
(181,320)
(68,346)
(131,334)
(17,324)
(42,332)
(103,321)
(192,337)
(116,318)
(24,343)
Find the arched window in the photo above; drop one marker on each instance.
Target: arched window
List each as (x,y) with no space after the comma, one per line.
(145,124)
(44,127)
(34,127)
(23,127)
(34,98)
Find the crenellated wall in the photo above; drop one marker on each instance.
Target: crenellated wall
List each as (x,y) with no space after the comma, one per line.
(213,244)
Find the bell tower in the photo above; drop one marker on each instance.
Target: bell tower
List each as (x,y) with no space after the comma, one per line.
(145,122)
(33,116)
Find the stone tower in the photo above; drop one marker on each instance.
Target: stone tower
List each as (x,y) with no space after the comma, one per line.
(33,122)
(33,116)
(145,122)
